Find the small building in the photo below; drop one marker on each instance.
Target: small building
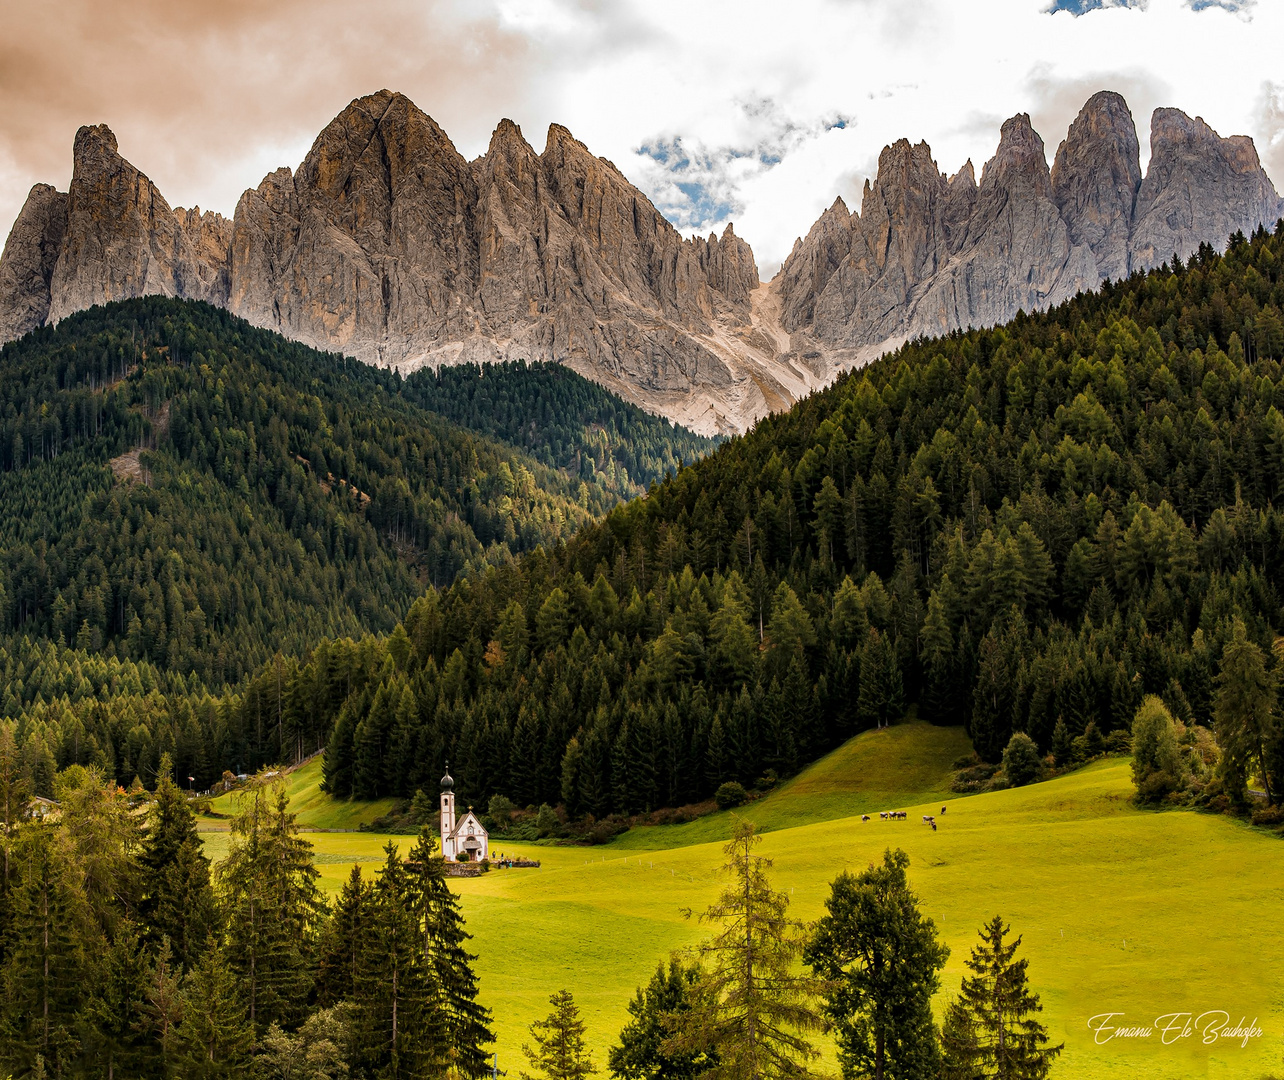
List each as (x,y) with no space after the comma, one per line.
(464,840)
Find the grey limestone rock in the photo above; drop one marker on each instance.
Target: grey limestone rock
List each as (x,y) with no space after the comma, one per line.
(1199,188)
(27,265)
(1095,178)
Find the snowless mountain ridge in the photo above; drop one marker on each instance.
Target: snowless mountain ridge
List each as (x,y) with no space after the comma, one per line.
(387,245)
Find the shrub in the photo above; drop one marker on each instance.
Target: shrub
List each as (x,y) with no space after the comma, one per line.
(1158,768)
(730,795)
(605,831)
(546,822)
(1021,760)
(500,811)
(1269,815)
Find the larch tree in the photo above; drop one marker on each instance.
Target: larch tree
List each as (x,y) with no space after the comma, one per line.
(751,1007)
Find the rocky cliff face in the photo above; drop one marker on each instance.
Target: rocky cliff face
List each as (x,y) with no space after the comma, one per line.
(123,240)
(1199,188)
(1095,178)
(388,245)
(926,255)
(27,265)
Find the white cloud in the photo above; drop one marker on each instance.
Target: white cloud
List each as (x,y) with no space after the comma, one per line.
(744,110)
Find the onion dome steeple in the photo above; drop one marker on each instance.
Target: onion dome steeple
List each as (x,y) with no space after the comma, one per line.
(447,781)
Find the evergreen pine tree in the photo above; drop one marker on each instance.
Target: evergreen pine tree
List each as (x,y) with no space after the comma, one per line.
(881,959)
(14,798)
(1244,714)
(164,1001)
(560,1052)
(214,1038)
(178,901)
(271,905)
(395,1024)
(45,966)
(655,1011)
(882,692)
(342,941)
(464,1023)
(1062,744)
(115,1016)
(989,1030)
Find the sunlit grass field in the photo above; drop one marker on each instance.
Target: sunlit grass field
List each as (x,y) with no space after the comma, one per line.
(1122,910)
(311,805)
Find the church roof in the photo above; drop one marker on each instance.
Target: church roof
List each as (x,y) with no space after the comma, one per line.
(459,825)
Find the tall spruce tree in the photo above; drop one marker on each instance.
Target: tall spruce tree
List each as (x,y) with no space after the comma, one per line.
(397,1027)
(116,1039)
(990,1031)
(271,905)
(1245,715)
(178,898)
(560,1052)
(14,799)
(881,959)
(655,1011)
(215,1036)
(464,1021)
(750,1007)
(342,941)
(45,964)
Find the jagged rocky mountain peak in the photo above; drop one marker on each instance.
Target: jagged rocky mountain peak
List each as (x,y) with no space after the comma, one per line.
(387,244)
(92,140)
(1095,178)
(1020,158)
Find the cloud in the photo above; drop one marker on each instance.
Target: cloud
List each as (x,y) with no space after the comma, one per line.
(719,109)
(1270,123)
(207,95)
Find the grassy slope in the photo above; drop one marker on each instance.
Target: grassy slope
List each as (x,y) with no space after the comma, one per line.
(875,771)
(1121,909)
(315,809)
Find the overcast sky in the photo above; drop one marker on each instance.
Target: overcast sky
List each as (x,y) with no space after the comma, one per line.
(721,110)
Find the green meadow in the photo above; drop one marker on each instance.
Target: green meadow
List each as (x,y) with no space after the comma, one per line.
(1126,911)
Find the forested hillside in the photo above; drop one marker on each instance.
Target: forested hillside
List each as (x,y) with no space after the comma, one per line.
(1026,528)
(263,496)
(560,419)
(1014,528)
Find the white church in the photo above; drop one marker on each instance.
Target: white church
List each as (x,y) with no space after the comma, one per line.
(464,840)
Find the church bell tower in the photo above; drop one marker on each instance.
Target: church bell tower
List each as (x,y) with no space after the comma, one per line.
(448,815)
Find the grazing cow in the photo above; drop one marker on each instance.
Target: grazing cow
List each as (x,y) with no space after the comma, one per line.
(933,826)
(864,817)
(942,809)
(883,815)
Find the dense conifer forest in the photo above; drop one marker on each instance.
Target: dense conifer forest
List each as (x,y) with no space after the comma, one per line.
(1027,528)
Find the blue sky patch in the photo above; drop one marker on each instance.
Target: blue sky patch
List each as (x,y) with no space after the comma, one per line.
(1082,7)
